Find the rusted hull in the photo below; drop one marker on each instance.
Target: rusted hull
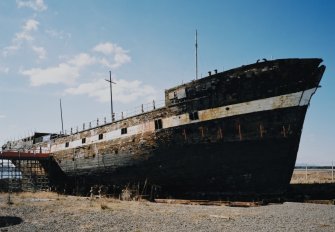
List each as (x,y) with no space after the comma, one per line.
(251,154)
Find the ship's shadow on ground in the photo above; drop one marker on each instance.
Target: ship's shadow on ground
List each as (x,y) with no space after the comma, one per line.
(295,193)
(313,192)
(317,191)
(9,221)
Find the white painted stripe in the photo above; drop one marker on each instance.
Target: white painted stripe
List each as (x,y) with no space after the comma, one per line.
(306,96)
(284,101)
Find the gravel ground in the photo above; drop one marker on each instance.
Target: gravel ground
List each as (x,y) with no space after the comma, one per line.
(50,212)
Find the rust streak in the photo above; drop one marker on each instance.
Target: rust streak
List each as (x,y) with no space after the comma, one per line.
(284,132)
(185,135)
(261,130)
(239,131)
(219,135)
(201,131)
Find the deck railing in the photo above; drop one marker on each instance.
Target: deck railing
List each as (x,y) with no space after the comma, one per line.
(143,108)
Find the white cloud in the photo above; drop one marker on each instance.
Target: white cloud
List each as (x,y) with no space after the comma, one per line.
(129,91)
(40,51)
(4,69)
(105,62)
(97,89)
(10,49)
(68,71)
(83,59)
(105,48)
(120,56)
(54,33)
(61,74)
(2,116)
(37,5)
(64,73)
(31,25)
(123,91)
(58,34)
(24,35)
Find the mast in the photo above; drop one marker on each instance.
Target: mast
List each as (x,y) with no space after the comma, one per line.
(61,114)
(196,54)
(110,86)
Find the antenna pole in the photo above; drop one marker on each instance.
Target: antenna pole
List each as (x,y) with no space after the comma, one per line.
(196,54)
(110,86)
(332,171)
(61,114)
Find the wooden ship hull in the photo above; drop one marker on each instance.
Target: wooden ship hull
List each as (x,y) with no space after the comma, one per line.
(233,133)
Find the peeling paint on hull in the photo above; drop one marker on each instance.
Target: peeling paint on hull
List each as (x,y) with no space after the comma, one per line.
(205,161)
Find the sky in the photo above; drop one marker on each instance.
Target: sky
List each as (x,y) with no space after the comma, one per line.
(52,50)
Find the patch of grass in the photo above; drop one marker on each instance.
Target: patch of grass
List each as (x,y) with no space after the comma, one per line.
(104,206)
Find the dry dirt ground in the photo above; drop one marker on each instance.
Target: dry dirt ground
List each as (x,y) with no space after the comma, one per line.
(301,176)
(43,211)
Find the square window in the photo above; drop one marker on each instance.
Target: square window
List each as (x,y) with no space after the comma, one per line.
(158,124)
(101,136)
(83,140)
(123,131)
(67,144)
(193,115)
